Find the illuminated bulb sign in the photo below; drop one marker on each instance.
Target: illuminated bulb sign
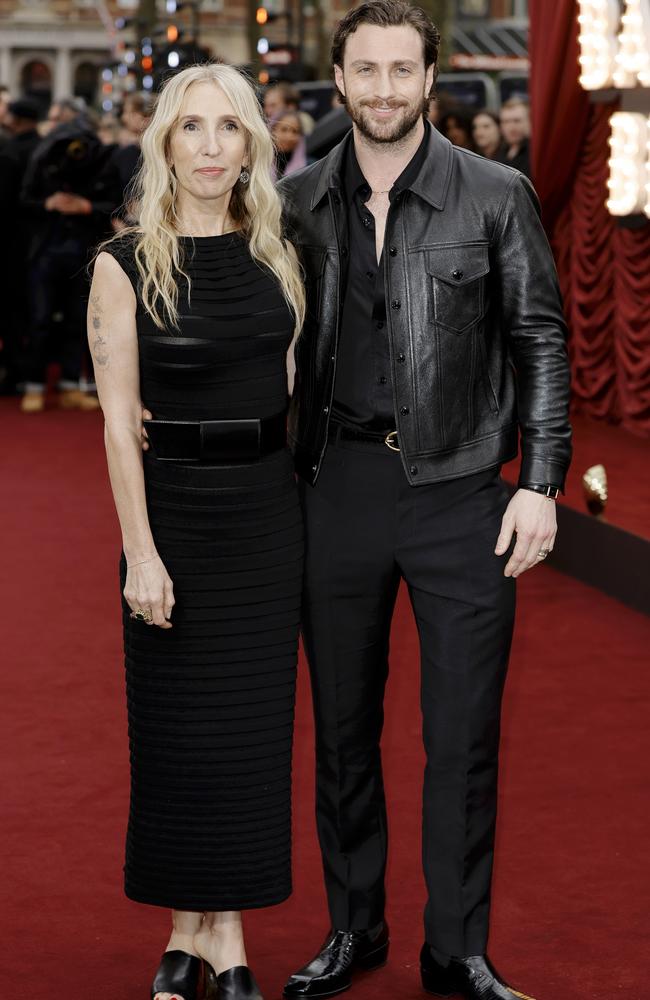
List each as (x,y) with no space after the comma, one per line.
(628,164)
(615,52)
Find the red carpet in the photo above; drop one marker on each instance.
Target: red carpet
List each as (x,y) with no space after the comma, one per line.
(626,458)
(571,895)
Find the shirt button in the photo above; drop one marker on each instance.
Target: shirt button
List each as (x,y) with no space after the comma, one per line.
(404,410)
(401,357)
(457,274)
(413,470)
(392,251)
(370,274)
(396,304)
(383,380)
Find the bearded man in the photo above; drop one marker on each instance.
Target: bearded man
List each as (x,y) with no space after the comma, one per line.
(434,339)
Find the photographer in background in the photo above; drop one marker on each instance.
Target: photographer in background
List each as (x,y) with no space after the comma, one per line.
(69,192)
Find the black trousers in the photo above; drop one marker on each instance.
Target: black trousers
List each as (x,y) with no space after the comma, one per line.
(366,529)
(58,280)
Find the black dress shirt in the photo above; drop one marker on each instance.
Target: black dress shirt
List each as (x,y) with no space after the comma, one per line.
(363,391)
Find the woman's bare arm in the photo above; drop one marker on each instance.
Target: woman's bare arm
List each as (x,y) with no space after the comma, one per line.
(113,341)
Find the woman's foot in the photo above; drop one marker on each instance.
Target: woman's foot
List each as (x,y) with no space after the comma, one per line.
(181,943)
(220,942)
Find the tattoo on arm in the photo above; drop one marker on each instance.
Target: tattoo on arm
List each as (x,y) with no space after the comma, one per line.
(100,344)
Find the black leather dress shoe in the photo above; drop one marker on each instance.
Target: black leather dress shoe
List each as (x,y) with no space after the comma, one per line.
(343,954)
(237,983)
(471,978)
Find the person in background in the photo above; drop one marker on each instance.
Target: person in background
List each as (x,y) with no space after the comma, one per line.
(279,97)
(109,130)
(486,134)
(515,128)
(289,143)
(69,193)
(20,118)
(62,112)
(5,97)
(457,127)
(136,115)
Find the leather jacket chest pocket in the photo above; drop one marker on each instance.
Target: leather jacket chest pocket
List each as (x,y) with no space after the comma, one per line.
(457,276)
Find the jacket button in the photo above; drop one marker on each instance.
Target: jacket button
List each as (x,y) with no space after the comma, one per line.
(392,251)
(401,357)
(326,409)
(413,470)
(333,357)
(396,304)
(404,410)
(314,468)
(457,274)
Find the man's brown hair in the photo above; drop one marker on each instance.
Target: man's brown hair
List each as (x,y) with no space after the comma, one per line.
(389,14)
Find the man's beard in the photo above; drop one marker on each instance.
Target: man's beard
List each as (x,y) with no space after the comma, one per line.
(389,131)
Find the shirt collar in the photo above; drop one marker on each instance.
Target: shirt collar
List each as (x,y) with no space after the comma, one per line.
(354,180)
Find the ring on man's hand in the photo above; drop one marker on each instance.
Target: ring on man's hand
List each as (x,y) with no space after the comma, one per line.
(143,615)
(542,554)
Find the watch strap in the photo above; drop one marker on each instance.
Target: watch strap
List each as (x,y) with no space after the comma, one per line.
(546,489)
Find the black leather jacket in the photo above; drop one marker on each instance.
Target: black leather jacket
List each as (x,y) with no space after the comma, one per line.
(477,335)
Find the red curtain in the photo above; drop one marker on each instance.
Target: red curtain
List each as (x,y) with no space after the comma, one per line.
(604,269)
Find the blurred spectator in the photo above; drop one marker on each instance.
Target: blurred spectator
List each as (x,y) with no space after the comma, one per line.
(456,125)
(289,141)
(69,192)
(136,115)
(20,117)
(441,105)
(4,102)
(62,111)
(486,133)
(515,128)
(279,97)
(108,130)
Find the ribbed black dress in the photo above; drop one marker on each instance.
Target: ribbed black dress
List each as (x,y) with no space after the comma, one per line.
(211,701)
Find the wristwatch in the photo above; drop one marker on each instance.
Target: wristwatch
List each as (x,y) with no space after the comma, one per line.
(552,492)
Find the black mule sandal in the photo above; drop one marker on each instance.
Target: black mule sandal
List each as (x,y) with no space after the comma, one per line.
(237,983)
(179,974)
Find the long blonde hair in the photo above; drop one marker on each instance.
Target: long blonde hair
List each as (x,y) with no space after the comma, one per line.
(255,207)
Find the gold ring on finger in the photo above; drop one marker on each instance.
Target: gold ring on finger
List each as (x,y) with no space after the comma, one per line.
(143,615)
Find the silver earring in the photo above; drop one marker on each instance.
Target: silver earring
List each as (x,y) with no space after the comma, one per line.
(244,176)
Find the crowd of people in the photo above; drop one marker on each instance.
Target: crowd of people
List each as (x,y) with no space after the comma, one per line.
(65,178)
(503,137)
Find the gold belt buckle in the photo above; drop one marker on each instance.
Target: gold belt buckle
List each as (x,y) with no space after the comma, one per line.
(391,441)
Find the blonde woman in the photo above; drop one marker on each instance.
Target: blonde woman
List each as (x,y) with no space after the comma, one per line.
(193,315)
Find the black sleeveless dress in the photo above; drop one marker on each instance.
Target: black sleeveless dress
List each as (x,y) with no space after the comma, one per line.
(211,701)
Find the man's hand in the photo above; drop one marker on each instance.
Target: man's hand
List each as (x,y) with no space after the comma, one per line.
(68,204)
(146,415)
(531,517)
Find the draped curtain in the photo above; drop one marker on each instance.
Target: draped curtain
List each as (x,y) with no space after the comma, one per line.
(604,268)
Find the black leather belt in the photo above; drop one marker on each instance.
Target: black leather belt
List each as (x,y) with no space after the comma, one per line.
(338,432)
(216,440)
